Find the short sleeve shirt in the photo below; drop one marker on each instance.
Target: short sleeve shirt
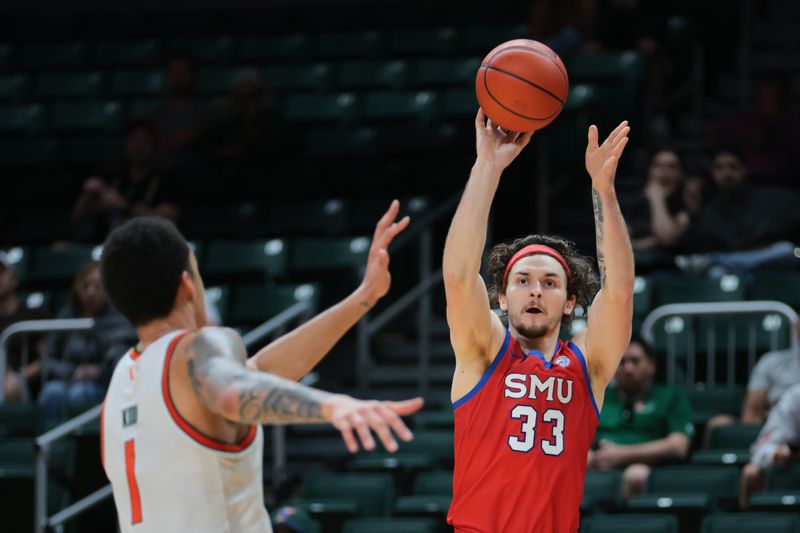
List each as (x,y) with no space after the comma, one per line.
(775,373)
(663,410)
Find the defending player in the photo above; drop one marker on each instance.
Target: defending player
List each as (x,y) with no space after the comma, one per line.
(181,423)
(526,403)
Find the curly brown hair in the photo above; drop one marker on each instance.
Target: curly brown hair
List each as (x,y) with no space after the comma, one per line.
(582,285)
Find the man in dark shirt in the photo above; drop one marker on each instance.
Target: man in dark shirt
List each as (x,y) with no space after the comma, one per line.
(744,226)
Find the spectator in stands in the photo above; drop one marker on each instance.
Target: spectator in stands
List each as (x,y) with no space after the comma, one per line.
(81,362)
(773,375)
(743,226)
(141,188)
(247,125)
(768,132)
(661,217)
(642,424)
(561,24)
(22,364)
(293,520)
(777,444)
(183,120)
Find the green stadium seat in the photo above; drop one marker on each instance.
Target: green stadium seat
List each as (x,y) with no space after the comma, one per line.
(423,42)
(373,74)
(438,419)
(217,80)
(786,478)
(58,265)
(137,82)
(452,72)
(630,523)
(725,456)
(69,85)
(267,258)
(482,39)
(17,118)
(391,462)
(780,286)
(331,514)
(740,436)
(28,152)
(459,102)
(642,296)
(313,217)
(432,506)
(19,258)
(215,50)
(282,47)
(38,300)
(341,141)
(98,115)
(418,105)
(717,482)
(434,484)
(220,298)
(13,86)
(728,288)
(310,77)
(599,65)
(18,420)
(254,304)
(338,107)
(373,493)
(602,489)
(689,509)
(749,522)
(709,401)
(329,254)
(69,54)
(776,501)
(353,44)
(391,525)
(138,52)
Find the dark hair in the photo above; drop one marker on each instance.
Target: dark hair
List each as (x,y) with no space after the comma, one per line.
(732,149)
(582,285)
(666,148)
(142,124)
(141,266)
(74,300)
(638,339)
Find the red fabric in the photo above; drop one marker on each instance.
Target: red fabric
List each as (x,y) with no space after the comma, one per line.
(537,487)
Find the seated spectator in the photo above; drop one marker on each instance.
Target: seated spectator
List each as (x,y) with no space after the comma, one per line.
(248,125)
(668,200)
(81,361)
(774,374)
(141,188)
(642,424)
(777,444)
(293,520)
(22,357)
(743,226)
(182,120)
(768,131)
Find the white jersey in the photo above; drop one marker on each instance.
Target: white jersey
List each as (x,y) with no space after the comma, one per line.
(167,476)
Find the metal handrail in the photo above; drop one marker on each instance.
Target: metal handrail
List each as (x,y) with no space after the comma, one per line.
(36,326)
(715,309)
(299,311)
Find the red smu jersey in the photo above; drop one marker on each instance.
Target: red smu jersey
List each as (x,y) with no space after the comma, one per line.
(521,439)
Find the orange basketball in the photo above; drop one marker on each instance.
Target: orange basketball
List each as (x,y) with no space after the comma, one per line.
(522,85)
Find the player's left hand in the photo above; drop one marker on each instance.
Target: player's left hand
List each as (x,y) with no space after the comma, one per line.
(601,161)
(377,278)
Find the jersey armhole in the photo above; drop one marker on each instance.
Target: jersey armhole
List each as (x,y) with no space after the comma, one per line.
(486,375)
(577,351)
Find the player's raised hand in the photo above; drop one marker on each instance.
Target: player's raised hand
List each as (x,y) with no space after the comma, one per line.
(601,161)
(356,420)
(377,278)
(495,146)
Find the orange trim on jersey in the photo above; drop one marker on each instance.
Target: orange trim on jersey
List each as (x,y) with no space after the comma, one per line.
(133,486)
(184,424)
(102,440)
(134,354)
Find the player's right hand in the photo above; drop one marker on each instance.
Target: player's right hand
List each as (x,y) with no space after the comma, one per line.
(350,415)
(495,146)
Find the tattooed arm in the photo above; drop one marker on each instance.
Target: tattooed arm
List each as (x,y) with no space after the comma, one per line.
(296,353)
(215,359)
(609,329)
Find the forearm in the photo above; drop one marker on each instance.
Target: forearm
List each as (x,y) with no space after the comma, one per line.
(614,252)
(665,227)
(675,446)
(293,355)
(467,235)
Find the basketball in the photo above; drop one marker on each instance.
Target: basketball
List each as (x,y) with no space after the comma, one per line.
(522,85)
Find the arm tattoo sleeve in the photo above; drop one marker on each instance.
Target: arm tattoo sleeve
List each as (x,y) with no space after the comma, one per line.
(220,380)
(597,204)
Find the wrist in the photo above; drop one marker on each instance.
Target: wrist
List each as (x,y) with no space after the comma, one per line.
(365,297)
(487,165)
(328,404)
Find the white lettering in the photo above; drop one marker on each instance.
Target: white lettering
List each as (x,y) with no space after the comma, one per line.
(547,386)
(517,383)
(561,396)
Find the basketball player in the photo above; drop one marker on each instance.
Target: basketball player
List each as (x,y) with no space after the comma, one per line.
(181,423)
(526,403)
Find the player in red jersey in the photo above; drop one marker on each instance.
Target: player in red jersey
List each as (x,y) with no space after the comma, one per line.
(526,403)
